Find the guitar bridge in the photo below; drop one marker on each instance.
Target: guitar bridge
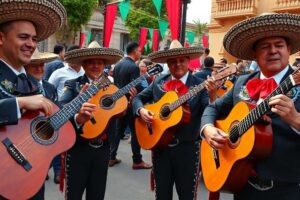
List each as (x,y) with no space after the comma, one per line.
(16,154)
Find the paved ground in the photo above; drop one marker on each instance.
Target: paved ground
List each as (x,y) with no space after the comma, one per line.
(124,183)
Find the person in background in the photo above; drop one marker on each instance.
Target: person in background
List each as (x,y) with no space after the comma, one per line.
(203,56)
(57,63)
(206,69)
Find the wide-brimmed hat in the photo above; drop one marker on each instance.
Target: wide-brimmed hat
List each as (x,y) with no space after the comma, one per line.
(47,15)
(94,51)
(42,57)
(240,39)
(175,50)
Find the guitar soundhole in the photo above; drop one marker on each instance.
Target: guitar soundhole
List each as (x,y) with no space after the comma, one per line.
(107,102)
(42,131)
(165,111)
(234,137)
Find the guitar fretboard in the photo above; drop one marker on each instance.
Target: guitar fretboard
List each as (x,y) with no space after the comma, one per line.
(261,109)
(70,109)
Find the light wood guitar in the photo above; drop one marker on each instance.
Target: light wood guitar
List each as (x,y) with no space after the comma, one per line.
(27,149)
(168,113)
(111,103)
(250,139)
(224,88)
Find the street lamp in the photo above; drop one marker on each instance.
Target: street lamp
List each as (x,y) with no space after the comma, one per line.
(183,21)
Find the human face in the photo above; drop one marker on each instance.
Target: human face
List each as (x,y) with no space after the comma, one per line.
(93,68)
(36,70)
(272,55)
(18,43)
(143,68)
(178,66)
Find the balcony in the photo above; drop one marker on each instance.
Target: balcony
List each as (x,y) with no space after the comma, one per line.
(235,8)
(287,6)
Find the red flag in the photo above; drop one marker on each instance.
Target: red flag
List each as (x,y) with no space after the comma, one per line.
(205,41)
(155,40)
(174,15)
(143,37)
(194,64)
(82,38)
(111,12)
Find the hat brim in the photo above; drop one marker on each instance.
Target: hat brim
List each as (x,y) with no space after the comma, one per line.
(44,58)
(240,39)
(47,16)
(165,55)
(108,55)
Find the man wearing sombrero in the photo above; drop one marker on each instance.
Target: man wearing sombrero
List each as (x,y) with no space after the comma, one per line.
(269,40)
(178,162)
(22,25)
(86,162)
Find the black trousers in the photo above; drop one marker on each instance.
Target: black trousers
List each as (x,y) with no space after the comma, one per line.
(280,192)
(86,169)
(179,165)
(120,126)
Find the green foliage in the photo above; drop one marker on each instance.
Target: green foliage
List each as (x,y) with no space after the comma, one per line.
(201,27)
(143,14)
(79,13)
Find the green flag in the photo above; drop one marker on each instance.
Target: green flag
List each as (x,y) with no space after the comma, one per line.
(124,8)
(146,47)
(151,32)
(150,44)
(89,36)
(191,37)
(163,25)
(157,4)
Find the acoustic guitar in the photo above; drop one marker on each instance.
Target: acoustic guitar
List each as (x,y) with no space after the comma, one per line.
(224,88)
(111,103)
(27,149)
(169,112)
(249,140)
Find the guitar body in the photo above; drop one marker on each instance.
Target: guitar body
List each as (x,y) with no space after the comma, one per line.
(105,111)
(224,88)
(235,160)
(162,127)
(39,145)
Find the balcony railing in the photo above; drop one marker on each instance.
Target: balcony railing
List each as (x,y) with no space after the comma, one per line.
(235,8)
(287,5)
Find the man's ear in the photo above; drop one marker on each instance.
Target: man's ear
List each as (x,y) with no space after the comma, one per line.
(289,48)
(2,38)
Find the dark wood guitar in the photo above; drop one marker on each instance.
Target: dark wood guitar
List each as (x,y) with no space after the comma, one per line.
(249,139)
(111,103)
(169,112)
(27,149)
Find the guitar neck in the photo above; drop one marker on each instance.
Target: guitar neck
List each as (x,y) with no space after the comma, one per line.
(121,92)
(184,98)
(256,113)
(70,109)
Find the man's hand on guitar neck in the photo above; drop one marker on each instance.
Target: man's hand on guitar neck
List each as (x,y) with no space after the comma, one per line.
(285,108)
(215,137)
(36,102)
(212,88)
(146,115)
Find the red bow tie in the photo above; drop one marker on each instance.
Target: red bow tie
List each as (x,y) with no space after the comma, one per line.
(260,88)
(175,85)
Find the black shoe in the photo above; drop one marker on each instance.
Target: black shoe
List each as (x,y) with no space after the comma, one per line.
(56,179)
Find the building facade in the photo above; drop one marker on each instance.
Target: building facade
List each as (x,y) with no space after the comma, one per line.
(226,13)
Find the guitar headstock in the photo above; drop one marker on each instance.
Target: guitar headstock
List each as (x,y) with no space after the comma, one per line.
(102,81)
(225,72)
(157,68)
(296,76)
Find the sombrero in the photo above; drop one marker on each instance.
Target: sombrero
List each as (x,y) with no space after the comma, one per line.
(240,39)
(175,50)
(94,51)
(42,57)
(46,15)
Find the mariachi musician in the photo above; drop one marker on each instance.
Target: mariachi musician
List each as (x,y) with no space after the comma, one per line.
(178,162)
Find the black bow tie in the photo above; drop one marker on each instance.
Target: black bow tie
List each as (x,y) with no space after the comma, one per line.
(23,86)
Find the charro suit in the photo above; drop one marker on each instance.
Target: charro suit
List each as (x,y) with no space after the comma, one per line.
(179,163)
(281,166)
(86,162)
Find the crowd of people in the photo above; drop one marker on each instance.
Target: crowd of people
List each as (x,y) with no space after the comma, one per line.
(41,81)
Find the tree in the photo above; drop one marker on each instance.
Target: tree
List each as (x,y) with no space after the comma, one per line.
(79,13)
(201,27)
(143,14)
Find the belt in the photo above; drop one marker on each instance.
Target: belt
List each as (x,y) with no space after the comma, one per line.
(95,143)
(264,185)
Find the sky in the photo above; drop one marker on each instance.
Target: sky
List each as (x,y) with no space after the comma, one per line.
(199,9)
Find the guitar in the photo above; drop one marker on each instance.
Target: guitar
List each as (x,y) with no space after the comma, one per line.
(111,102)
(168,112)
(27,149)
(224,88)
(250,139)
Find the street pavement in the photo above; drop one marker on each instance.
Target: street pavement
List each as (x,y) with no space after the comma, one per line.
(123,183)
